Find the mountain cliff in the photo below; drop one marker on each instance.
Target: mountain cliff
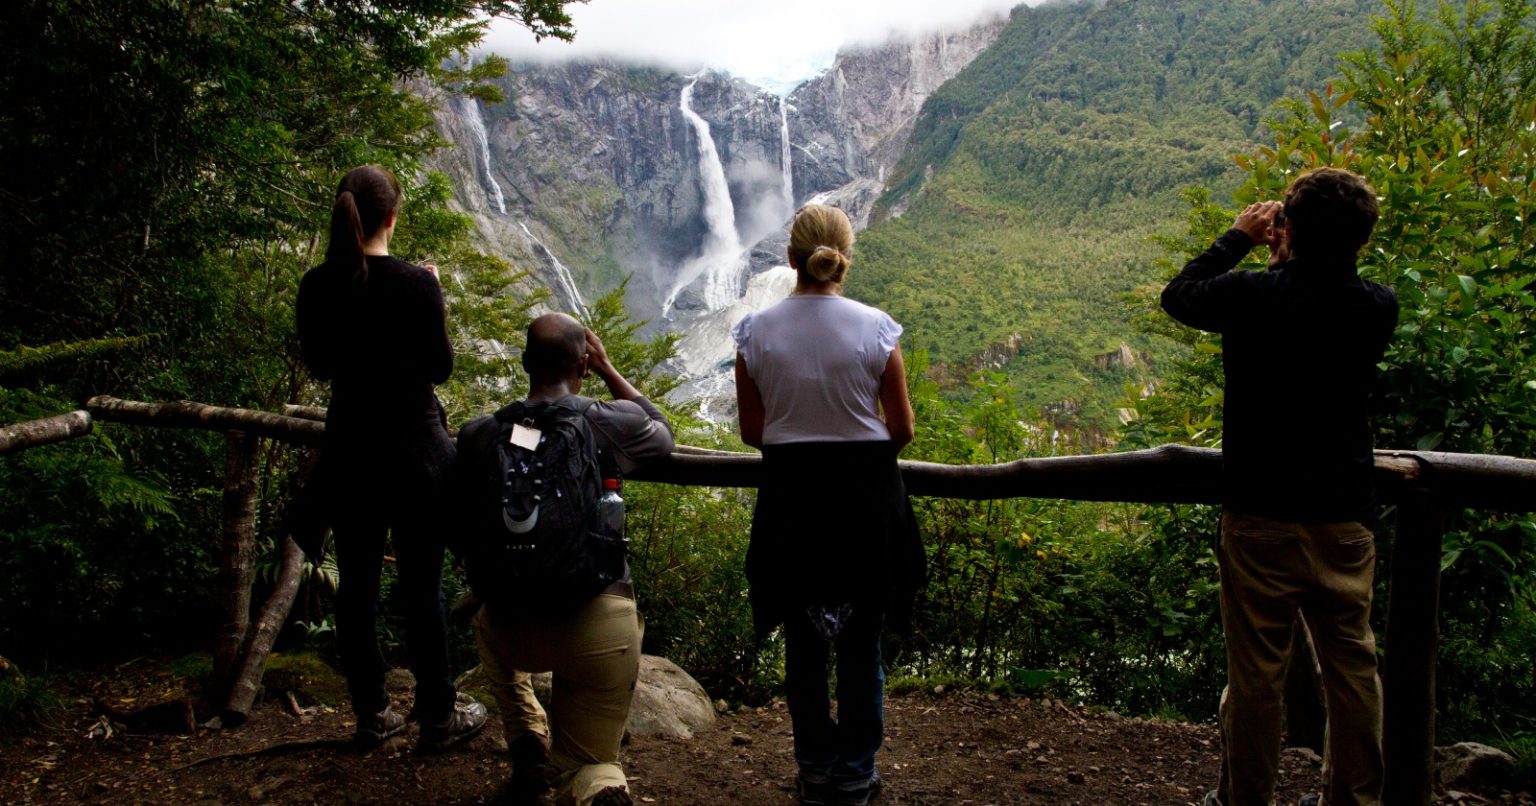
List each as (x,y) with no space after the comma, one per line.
(590,173)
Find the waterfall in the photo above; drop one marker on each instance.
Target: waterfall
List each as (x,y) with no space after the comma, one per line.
(477,128)
(722,258)
(789,178)
(573,300)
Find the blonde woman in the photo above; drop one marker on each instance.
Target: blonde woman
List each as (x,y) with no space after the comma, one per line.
(834,554)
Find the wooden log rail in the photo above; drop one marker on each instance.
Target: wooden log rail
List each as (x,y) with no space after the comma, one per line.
(44,432)
(1425,486)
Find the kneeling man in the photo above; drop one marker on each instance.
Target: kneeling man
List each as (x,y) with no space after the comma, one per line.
(555,583)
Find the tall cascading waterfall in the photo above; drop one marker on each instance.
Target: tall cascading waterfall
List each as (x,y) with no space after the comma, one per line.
(722,259)
(477,128)
(784,157)
(563,277)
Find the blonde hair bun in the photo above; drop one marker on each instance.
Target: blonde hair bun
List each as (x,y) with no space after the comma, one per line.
(827,264)
(821,243)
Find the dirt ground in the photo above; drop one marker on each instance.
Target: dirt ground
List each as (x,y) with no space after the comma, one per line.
(955,748)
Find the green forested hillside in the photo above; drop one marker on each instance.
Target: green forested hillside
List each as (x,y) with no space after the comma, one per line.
(1035,179)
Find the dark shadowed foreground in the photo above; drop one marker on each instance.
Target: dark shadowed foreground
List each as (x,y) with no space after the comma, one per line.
(962,748)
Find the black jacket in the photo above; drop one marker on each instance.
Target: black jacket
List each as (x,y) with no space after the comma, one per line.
(833,526)
(1300,345)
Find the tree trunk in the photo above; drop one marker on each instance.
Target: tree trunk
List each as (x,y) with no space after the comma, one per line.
(262,634)
(239,553)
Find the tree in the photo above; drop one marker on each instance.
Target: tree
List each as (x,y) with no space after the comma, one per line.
(168,169)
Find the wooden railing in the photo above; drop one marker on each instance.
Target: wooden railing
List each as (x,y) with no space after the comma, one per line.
(1425,486)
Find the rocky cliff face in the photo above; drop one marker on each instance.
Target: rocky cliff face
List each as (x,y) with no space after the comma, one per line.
(851,124)
(590,173)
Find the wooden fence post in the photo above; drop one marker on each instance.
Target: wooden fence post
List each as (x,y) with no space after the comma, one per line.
(1412,648)
(238,553)
(246,679)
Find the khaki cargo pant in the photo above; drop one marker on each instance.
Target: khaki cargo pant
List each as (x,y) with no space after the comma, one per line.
(1271,571)
(594,653)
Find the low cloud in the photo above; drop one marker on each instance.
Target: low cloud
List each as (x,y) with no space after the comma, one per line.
(772,44)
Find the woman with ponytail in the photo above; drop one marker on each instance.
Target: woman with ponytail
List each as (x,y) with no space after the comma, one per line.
(834,555)
(373,326)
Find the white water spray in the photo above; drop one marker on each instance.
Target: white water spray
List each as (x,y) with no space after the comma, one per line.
(784,153)
(477,128)
(563,276)
(722,259)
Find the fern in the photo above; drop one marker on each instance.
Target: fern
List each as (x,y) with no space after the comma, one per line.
(26,359)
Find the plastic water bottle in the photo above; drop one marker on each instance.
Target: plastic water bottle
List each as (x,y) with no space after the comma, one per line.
(610,510)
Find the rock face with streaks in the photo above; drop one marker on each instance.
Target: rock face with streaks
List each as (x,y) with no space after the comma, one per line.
(590,173)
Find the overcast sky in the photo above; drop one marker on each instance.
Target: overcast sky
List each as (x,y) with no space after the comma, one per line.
(773,43)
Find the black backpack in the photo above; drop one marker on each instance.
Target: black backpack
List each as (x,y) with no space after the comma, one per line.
(534,535)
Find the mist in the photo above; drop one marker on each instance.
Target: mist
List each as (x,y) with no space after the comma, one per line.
(773,45)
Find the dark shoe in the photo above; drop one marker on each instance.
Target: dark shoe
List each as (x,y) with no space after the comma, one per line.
(530,771)
(1211,799)
(460,725)
(1310,799)
(816,793)
(861,795)
(612,796)
(373,729)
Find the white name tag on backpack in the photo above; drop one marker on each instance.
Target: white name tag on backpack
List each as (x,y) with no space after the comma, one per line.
(525,437)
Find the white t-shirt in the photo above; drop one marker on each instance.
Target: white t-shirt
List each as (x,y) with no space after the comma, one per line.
(817,360)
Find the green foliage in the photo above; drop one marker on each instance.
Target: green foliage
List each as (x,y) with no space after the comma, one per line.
(640,361)
(66,560)
(1444,104)
(1097,602)
(688,552)
(25,703)
(169,172)
(307,675)
(1036,177)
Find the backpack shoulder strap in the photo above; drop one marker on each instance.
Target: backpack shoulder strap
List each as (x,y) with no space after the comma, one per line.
(607,464)
(511,412)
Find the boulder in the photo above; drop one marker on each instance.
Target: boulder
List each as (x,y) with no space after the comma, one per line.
(1474,766)
(668,701)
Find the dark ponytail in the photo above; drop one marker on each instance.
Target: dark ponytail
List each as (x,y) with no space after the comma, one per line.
(365,199)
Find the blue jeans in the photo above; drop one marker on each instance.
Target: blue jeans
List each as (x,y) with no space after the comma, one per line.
(841,751)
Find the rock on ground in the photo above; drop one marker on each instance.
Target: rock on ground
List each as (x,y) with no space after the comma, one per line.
(668,702)
(1470,765)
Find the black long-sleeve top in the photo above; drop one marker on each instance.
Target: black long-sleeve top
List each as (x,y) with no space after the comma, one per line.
(383,344)
(1300,345)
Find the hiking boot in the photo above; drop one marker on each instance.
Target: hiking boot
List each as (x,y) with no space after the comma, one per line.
(815,793)
(530,771)
(612,796)
(460,725)
(373,729)
(1310,799)
(858,796)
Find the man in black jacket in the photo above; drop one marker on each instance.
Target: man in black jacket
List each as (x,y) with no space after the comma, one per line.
(1300,345)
